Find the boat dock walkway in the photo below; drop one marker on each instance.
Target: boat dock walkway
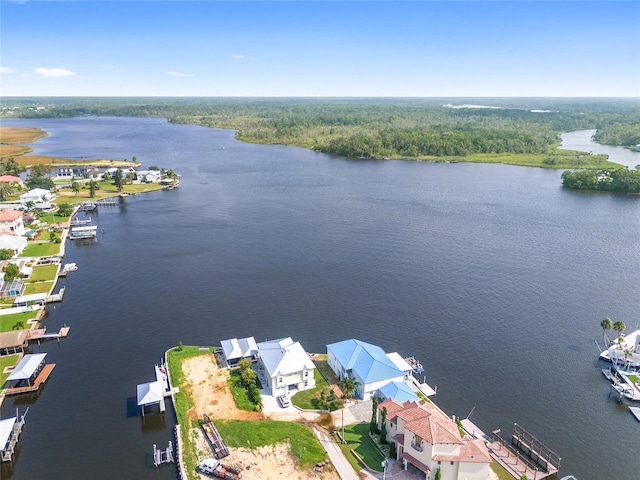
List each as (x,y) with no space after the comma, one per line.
(40,334)
(40,379)
(56,297)
(513,459)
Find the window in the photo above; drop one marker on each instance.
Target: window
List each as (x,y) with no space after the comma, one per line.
(451,463)
(279,379)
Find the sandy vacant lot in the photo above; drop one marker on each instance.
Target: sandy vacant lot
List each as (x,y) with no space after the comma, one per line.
(211,395)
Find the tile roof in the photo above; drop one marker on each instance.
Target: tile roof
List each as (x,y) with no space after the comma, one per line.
(8,215)
(472,451)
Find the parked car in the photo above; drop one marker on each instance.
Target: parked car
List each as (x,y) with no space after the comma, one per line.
(284,401)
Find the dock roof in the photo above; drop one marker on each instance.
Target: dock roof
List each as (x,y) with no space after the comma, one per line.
(149,393)
(27,366)
(34,297)
(6,426)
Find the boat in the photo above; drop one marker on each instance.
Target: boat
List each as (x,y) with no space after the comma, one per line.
(608,374)
(69,267)
(635,411)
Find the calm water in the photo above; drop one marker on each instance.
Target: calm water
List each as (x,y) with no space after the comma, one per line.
(581,140)
(493,276)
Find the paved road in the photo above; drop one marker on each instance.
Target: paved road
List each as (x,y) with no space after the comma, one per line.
(343,467)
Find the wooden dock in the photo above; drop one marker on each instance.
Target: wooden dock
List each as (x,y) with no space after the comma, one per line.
(40,379)
(56,297)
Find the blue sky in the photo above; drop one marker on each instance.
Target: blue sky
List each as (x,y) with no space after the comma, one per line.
(303,48)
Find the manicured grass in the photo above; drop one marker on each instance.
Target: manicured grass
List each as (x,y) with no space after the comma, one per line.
(183,403)
(7,361)
(304,446)
(41,250)
(8,322)
(358,440)
(51,218)
(40,287)
(500,471)
(43,273)
(106,189)
(310,399)
(634,378)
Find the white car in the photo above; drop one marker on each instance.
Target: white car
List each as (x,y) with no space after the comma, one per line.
(284,401)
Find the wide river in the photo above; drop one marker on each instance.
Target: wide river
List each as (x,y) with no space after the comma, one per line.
(493,276)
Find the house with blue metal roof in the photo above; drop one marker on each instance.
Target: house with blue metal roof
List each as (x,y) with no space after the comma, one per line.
(368,364)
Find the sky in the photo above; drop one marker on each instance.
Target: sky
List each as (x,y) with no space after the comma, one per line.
(320,49)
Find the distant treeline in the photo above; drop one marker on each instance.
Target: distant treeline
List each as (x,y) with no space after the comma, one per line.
(619,180)
(377,128)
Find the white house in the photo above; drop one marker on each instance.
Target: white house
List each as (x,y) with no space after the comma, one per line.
(234,349)
(285,366)
(37,195)
(427,441)
(148,176)
(13,242)
(368,364)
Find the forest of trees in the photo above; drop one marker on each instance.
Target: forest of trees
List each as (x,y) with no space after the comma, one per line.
(620,180)
(378,128)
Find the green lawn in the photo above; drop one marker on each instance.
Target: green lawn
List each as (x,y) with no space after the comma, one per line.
(43,273)
(302,442)
(358,440)
(8,322)
(7,361)
(499,470)
(40,287)
(310,399)
(239,392)
(41,250)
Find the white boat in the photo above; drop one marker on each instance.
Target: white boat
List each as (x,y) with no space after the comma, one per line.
(69,267)
(609,374)
(636,412)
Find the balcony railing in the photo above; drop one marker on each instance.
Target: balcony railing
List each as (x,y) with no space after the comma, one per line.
(417,447)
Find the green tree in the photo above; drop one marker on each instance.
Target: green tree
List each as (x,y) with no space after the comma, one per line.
(606,324)
(52,236)
(6,189)
(75,186)
(383,425)
(64,210)
(438,475)
(373,424)
(118,180)
(92,188)
(6,253)
(11,272)
(619,327)
(348,384)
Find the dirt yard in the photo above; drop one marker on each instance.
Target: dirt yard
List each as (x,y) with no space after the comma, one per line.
(211,395)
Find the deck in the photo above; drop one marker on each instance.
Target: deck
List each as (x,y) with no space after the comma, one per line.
(40,379)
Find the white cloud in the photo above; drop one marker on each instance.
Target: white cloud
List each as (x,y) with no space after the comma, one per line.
(7,70)
(54,72)
(179,74)
(242,57)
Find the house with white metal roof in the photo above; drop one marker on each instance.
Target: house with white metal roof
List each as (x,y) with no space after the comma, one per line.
(15,243)
(368,364)
(37,195)
(234,349)
(285,366)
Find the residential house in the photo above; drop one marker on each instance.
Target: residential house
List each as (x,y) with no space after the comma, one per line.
(426,441)
(15,243)
(70,173)
(11,289)
(234,350)
(10,179)
(371,367)
(125,171)
(284,366)
(11,222)
(37,196)
(148,176)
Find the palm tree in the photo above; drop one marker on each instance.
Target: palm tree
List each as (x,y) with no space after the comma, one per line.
(619,327)
(348,385)
(606,324)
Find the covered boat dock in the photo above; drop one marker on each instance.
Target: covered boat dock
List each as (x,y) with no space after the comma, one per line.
(29,374)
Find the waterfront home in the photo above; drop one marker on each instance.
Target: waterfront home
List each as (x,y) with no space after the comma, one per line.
(426,441)
(14,341)
(15,243)
(148,176)
(626,353)
(399,391)
(71,173)
(11,222)
(125,171)
(31,299)
(371,367)
(285,366)
(37,196)
(234,350)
